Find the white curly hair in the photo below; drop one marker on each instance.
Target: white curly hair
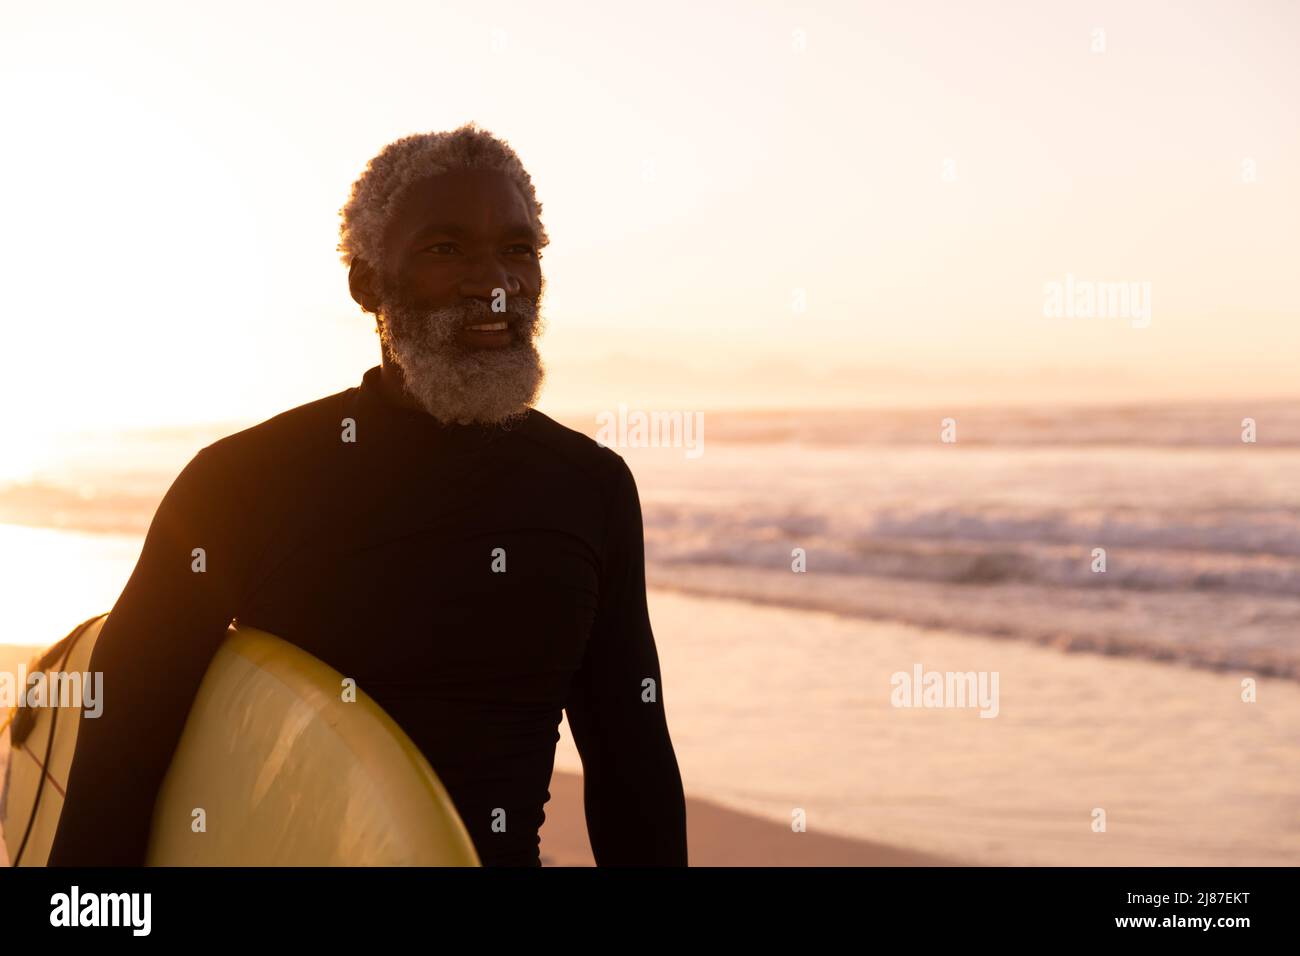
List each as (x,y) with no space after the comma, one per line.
(378,191)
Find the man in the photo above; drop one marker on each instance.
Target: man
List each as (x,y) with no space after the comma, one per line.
(474,565)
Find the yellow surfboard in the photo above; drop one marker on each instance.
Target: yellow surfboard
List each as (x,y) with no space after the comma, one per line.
(285,772)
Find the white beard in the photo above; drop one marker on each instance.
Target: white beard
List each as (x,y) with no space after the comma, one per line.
(459,385)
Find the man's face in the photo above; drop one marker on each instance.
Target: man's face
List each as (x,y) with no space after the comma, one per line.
(460,243)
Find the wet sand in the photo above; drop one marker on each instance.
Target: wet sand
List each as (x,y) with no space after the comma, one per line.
(717,836)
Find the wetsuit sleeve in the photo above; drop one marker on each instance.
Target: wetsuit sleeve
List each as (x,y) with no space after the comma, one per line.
(152,652)
(632,788)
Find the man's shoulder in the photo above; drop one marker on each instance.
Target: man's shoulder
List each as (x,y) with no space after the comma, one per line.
(571,448)
(284,438)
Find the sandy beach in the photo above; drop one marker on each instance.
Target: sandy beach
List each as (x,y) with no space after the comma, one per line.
(718,836)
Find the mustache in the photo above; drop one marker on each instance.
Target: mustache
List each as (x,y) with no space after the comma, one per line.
(441,324)
(479,312)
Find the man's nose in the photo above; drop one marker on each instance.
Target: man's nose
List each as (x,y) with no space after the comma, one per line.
(484,275)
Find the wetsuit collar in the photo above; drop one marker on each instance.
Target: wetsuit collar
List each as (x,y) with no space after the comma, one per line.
(372,399)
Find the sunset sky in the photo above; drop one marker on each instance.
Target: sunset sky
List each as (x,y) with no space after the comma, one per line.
(173,175)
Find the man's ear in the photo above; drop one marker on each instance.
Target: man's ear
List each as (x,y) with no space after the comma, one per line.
(364,283)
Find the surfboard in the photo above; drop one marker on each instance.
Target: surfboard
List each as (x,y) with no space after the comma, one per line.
(275,767)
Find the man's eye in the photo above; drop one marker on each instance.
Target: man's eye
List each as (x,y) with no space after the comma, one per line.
(527,249)
(440,245)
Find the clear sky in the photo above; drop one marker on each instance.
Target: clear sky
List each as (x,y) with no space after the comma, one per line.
(173,174)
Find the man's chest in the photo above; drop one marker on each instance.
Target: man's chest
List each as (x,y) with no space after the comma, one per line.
(458,599)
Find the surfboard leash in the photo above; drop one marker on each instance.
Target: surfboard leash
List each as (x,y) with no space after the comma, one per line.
(71,641)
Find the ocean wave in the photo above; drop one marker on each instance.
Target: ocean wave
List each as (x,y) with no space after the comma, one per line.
(1253,634)
(1255,554)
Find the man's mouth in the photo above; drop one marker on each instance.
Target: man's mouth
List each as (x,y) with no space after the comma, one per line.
(486,335)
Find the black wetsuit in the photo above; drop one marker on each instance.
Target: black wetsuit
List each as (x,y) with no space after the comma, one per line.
(377,556)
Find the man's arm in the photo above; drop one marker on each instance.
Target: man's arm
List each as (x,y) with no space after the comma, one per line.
(632,788)
(153,651)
